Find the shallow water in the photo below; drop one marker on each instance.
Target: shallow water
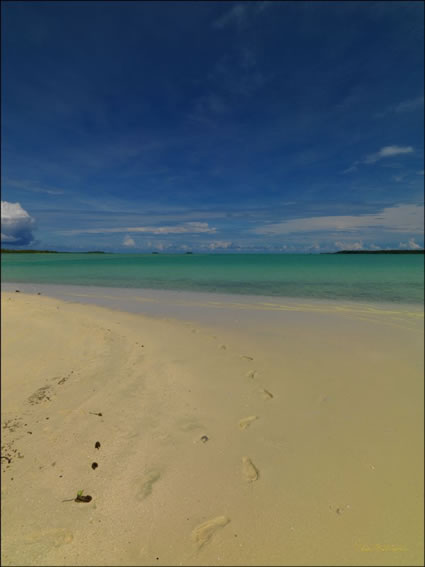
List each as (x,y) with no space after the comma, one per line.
(374,278)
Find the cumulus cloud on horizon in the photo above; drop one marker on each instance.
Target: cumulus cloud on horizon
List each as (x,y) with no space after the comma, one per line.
(349,245)
(219,244)
(411,245)
(16,224)
(128,241)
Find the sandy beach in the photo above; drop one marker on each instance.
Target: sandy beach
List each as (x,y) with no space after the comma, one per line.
(290,438)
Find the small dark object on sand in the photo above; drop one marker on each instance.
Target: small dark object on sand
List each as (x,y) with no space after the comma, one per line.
(82,498)
(94,466)
(93,413)
(204,438)
(38,293)
(97,445)
(17,291)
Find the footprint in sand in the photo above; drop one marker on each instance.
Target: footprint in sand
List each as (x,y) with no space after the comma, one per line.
(40,395)
(247,357)
(203,533)
(246,421)
(251,374)
(223,347)
(148,481)
(266,394)
(249,471)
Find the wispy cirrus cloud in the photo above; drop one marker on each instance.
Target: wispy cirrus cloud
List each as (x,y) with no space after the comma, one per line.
(388,151)
(400,218)
(238,14)
(189,227)
(385,152)
(408,105)
(33,187)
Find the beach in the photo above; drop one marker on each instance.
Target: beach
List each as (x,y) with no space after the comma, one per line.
(218,431)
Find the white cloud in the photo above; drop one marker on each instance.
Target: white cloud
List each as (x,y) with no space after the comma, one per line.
(188,227)
(157,245)
(411,245)
(313,247)
(219,244)
(16,224)
(349,245)
(388,151)
(129,242)
(400,218)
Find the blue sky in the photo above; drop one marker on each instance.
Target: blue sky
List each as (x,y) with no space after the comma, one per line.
(212,126)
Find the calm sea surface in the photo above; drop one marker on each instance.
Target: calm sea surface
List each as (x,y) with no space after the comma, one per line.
(387,278)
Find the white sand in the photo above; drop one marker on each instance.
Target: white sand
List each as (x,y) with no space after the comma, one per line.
(326,468)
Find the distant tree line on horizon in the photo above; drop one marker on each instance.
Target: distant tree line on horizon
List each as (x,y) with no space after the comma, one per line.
(379,252)
(9,251)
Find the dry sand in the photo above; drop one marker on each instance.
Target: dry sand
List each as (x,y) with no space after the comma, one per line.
(298,443)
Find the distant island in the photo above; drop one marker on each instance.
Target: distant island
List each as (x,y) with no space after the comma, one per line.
(9,251)
(377,252)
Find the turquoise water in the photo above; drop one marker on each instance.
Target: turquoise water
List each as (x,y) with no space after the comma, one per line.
(387,278)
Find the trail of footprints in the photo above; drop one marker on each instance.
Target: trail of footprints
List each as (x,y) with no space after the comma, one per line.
(202,533)
(250,473)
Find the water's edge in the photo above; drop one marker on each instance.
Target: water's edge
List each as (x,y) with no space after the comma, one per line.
(230,310)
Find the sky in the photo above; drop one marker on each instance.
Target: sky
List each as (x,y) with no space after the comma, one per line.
(216,127)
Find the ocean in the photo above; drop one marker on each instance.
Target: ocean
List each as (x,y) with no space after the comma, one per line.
(374,278)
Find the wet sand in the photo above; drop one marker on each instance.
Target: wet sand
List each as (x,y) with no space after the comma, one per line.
(246,434)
